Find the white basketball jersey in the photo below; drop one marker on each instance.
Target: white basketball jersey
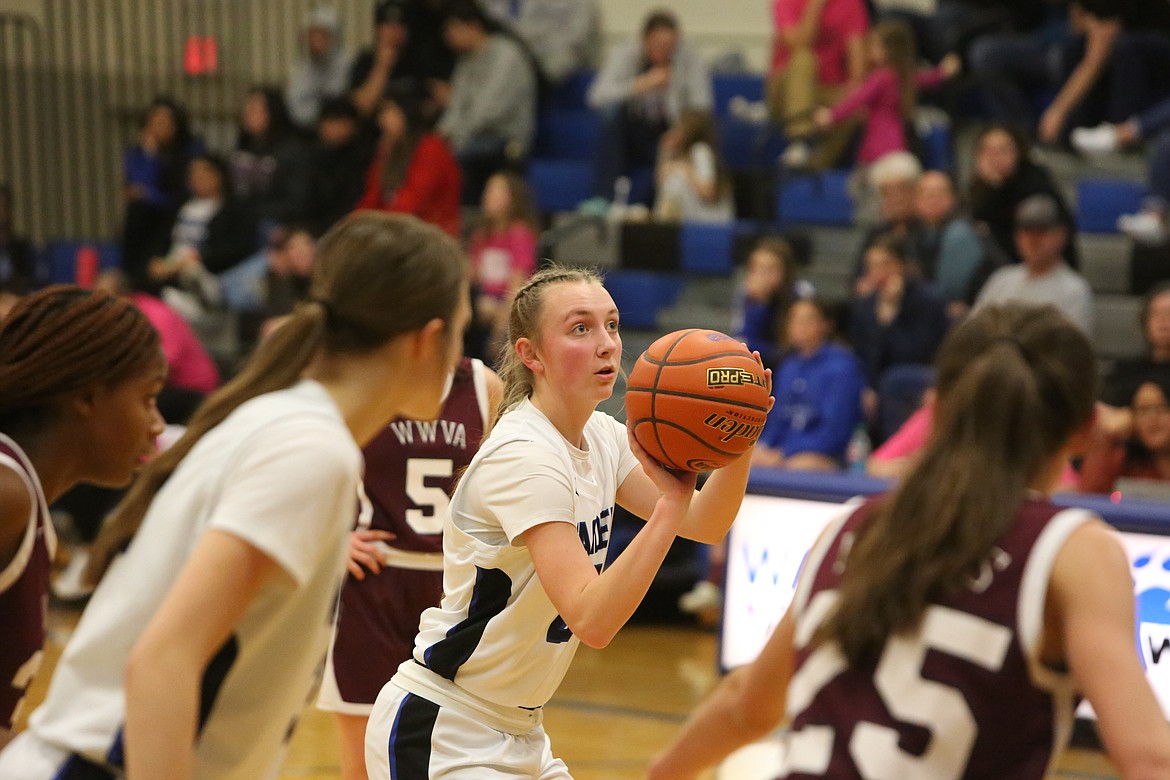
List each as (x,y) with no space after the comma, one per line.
(281,473)
(496,634)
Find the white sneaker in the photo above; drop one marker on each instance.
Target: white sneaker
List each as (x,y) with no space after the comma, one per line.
(1102,139)
(751,111)
(704,596)
(1145,227)
(69,586)
(797,155)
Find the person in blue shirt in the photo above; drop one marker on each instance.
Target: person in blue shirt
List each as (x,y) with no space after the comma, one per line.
(818,396)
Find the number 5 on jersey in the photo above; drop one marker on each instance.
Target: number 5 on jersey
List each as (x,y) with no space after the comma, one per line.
(424,497)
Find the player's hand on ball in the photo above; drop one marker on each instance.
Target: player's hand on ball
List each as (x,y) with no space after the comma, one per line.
(679,484)
(363,551)
(767,376)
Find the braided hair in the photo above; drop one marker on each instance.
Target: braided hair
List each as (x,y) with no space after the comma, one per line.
(64,339)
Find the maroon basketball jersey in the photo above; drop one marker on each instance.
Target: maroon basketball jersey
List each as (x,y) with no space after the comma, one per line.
(964,696)
(24,589)
(410,472)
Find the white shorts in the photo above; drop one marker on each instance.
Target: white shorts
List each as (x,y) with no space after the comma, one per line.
(409,737)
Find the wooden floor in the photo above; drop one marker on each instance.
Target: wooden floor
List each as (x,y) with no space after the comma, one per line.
(616,708)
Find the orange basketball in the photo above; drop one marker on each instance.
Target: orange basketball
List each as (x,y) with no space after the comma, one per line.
(696,399)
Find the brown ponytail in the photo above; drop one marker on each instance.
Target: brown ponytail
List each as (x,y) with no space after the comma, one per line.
(1028,384)
(376,277)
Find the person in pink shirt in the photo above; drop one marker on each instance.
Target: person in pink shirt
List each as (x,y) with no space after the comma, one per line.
(818,55)
(503,251)
(888,97)
(191,373)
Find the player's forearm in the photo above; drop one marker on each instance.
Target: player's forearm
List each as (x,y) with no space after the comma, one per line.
(714,508)
(162,696)
(608,601)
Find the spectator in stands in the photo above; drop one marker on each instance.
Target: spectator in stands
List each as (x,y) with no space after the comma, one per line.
(1121,55)
(642,89)
(1149,225)
(340,158)
(413,170)
(274,278)
(693,185)
(155,171)
(818,55)
(770,288)
(269,167)
(322,73)
(948,249)
(191,373)
(1123,381)
(1003,176)
(902,321)
(503,253)
(18,259)
(818,396)
(408,58)
(1042,277)
(489,115)
(1014,65)
(888,97)
(1131,442)
(894,179)
(213,233)
(564,36)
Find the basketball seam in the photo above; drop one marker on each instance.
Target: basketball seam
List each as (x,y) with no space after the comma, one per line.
(656,422)
(696,396)
(654,392)
(664,362)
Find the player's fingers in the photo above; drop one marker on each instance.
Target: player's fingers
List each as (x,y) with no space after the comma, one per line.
(371,534)
(355,569)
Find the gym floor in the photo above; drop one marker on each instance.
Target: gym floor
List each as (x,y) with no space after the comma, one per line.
(615,709)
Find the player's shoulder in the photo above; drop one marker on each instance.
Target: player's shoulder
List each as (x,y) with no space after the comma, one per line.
(16,504)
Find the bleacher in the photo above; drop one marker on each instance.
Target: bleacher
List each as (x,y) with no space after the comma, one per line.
(668,277)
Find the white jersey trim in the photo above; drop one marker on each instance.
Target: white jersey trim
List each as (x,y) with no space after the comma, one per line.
(421,681)
(28,475)
(816,556)
(479,380)
(1030,616)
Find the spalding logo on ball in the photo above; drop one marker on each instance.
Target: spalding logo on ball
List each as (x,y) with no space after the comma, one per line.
(696,399)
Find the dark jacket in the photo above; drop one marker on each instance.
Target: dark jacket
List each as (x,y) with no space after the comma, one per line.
(996,208)
(912,337)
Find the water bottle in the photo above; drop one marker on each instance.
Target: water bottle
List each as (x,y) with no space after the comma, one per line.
(857,453)
(621,198)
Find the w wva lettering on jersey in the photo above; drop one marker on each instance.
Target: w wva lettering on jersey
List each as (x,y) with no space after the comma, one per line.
(449,432)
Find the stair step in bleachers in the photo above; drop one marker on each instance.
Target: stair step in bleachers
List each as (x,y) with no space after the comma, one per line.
(815,199)
(679,317)
(1105,261)
(708,291)
(835,248)
(1101,201)
(1117,333)
(830,285)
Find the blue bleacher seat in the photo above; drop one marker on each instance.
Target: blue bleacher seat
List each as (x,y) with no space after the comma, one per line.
(728,85)
(60,258)
(639,295)
(559,185)
(936,147)
(566,135)
(1101,201)
(815,199)
(707,249)
(570,95)
(746,146)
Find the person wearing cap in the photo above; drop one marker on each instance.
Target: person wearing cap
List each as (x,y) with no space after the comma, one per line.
(1042,277)
(409,55)
(322,73)
(489,118)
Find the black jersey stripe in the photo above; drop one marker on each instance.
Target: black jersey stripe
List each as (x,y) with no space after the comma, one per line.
(489,597)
